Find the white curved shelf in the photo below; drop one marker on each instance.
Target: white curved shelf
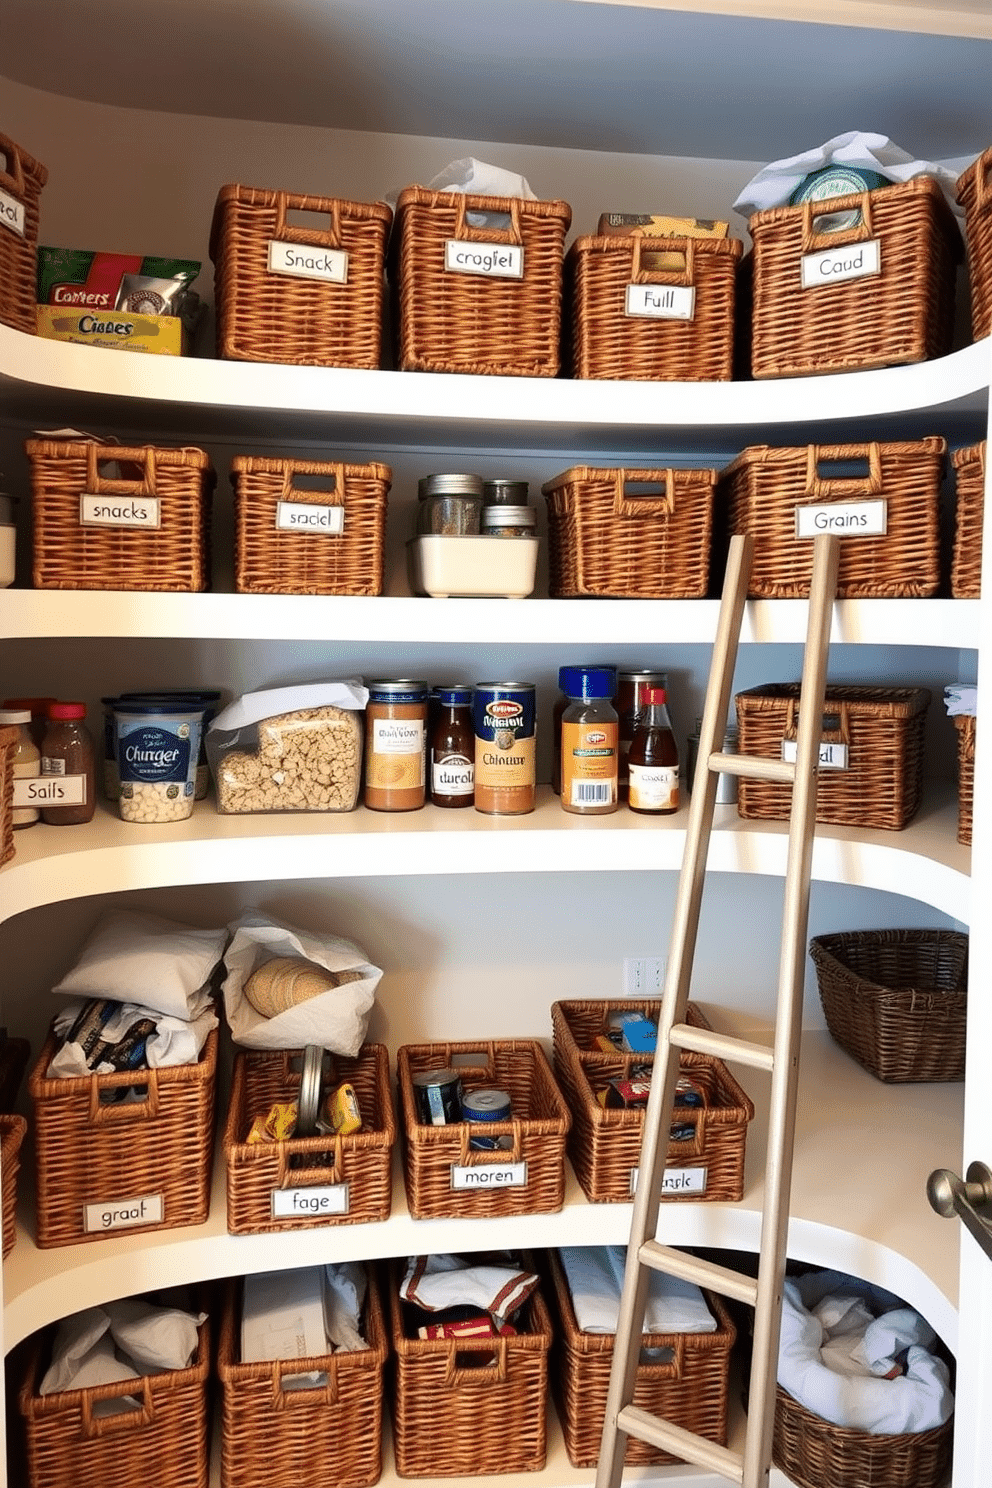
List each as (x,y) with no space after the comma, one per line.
(863,1152)
(52,864)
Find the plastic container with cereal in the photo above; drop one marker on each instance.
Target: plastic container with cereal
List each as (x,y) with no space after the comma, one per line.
(289,749)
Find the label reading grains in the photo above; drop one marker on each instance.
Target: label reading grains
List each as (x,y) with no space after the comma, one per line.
(119,511)
(856,261)
(852,519)
(12,214)
(661,301)
(301,261)
(494,260)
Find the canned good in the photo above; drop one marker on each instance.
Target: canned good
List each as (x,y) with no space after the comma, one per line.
(438,1096)
(504,718)
(311,1079)
(479,1106)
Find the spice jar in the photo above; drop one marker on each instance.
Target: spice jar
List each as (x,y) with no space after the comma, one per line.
(509,521)
(452,747)
(561,703)
(589,741)
(67,767)
(653,759)
(501,492)
(449,505)
(503,715)
(25,763)
(396,745)
(631,702)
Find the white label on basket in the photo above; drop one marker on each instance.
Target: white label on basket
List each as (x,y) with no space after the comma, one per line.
(302,261)
(661,301)
(495,260)
(119,511)
(123,1214)
(490,1175)
(852,519)
(856,261)
(832,756)
(676,1180)
(303,516)
(50,790)
(12,213)
(310,1203)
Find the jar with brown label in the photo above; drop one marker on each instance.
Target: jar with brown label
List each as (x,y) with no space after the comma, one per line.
(452,747)
(505,747)
(396,745)
(67,766)
(589,741)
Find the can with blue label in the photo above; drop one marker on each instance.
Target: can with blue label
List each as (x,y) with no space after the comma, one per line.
(481,1106)
(157,749)
(504,715)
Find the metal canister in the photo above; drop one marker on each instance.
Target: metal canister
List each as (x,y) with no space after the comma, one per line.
(481,1106)
(308,1101)
(501,492)
(504,719)
(437,1094)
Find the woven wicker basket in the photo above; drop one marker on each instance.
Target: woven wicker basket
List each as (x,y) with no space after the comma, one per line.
(450,321)
(604,1146)
(974,192)
(690,1390)
(271,311)
(435,1157)
(882,728)
(119,1155)
(896,1000)
(21,180)
(764,489)
(606,539)
(466,1407)
(262,1176)
(12,1133)
(969,479)
(331,1433)
(271,557)
(14,1056)
(163,1444)
(610,339)
(814,1453)
(8,743)
(902,313)
(73,553)
(965,726)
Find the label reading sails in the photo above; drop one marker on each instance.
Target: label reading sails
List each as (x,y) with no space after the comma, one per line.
(851,519)
(302,516)
(489,1175)
(494,260)
(832,756)
(302,261)
(661,301)
(676,1180)
(123,1214)
(309,1203)
(50,790)
(856,261)
(119,511)
(12,213)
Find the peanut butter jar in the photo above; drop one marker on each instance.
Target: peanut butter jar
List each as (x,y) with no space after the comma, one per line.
(396,745)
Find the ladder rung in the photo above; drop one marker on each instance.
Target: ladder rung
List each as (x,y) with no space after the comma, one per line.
(687,1267)
(681,1443)
(752,767)
(722,1046)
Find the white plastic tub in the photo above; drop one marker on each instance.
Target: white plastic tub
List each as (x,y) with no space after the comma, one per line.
(496,567)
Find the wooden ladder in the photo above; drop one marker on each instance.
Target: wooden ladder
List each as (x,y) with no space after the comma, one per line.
(645,1252)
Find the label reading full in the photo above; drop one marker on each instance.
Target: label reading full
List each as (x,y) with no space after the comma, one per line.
(50,790)
(676,1180)
(834,265)
(832,756)
(852,519)
(119,511)
(123,1214)
(302,261)
(493,260)
(661,301)
(12,213)
(303,516)
(490,1175)
(309,1203)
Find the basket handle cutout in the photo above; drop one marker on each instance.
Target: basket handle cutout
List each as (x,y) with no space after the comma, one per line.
(477,1157)
(12,173)
(100,457)
(482,1366)
(816,234)
(835,721)
(510,212)
(322,1392)
(309,1173)
(105,1113)
(483,1058)
(983,179)
(319,488)
(637,493)
(667,1368)
(685,251)
(298,223)
(857,471)
(131,1419)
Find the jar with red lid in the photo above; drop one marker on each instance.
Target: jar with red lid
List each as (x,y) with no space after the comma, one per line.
(631,705)
(67,767)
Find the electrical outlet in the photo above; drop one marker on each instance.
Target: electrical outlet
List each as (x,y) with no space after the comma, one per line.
(643,976)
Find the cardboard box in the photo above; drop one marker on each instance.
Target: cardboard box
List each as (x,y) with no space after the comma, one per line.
(163,335)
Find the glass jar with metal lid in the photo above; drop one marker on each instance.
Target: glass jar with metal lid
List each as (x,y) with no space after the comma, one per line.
(396,745)
(509,521)
(501,492)
(449,505)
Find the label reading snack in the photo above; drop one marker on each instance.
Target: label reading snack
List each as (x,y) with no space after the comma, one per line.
(492,1175)
(854,518)
(856,261)
(494,260)
(832,756)
(302,516)
(303,261)
(309,1203)
(676,1181)
(119,511)
(661,301)
(12,213)
(123,1214)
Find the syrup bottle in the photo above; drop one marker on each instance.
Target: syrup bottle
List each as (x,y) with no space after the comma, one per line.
(653,760)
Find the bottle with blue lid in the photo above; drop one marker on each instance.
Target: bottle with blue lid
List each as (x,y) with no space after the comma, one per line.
(452,747)
(589,741)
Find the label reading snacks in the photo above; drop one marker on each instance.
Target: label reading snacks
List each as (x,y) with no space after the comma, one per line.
(853,519)
(856,261)
(303,261)
(123,1214)
(12,213)
(494,260)
(832,756)
(309,1203)
(303,516)
(119,511)
(490,1175)
(676,1180)
(661,301)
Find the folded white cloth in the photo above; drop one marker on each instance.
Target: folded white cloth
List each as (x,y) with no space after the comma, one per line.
(961,697)
(595,1278)
(344,1296)
(438,1281)
(131,956)
(102,1345)
(775,183)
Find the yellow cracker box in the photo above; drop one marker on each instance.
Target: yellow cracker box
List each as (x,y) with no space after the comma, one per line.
(163,335)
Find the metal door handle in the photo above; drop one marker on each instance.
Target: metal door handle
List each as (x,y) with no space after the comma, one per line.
(970,1199)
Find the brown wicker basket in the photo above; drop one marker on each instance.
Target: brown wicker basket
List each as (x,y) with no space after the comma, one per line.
(902,313)
(974,192)
(262,1177)
(73,552)
(814,1453)
(343,555)
(329,1433)
(882,728)
(690,1389)
(21,182)
(14,1056)
(607,539)
(272,308)
(896,1000)
(604,1146)
(8,743)
(965,725)
(95,1153)
(690,335)
(530,1175)
(764,489)
(466,1407)
(163,1444)
(969,480)
(12,1133)
(452,321)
